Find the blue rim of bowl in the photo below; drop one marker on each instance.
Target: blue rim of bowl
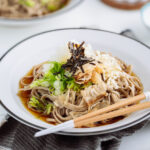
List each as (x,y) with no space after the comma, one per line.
(146,116)
(34,19)
(142,11)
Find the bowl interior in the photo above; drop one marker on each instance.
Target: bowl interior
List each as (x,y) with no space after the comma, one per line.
(51,45)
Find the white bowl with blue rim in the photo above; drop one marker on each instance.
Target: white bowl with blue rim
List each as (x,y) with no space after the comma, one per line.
(48,46)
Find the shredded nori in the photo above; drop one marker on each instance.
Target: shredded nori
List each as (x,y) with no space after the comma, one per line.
(77,59)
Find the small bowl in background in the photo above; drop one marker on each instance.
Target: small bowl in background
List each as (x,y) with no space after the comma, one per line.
(145,15)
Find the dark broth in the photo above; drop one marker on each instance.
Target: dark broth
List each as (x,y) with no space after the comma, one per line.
(24,99)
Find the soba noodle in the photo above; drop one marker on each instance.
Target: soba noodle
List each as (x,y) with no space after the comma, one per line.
(102,78)
(29,8)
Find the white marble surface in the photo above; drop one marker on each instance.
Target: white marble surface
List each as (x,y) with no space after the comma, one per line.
(91,13)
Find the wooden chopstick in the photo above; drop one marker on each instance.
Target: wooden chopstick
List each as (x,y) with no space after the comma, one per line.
(120,104)
(102,114)
(116,113)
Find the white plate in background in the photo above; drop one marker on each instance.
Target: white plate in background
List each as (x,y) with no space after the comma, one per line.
(36,20)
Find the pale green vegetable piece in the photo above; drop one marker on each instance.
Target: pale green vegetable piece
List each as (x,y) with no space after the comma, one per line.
(52,7)
(40,82)
(28,3)
(59,87)
(44,1)
(49,108)
(57,79)
(35,103)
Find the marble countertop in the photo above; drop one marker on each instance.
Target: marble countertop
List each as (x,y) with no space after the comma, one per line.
(94,14)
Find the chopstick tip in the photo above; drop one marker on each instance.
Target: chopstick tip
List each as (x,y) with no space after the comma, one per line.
(36,135)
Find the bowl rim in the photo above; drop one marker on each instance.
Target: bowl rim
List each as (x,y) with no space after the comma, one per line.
(44,17)
(146,116)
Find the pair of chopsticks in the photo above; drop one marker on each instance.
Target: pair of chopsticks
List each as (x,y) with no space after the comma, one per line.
(115,110)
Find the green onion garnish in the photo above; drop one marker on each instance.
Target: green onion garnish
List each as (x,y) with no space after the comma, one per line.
(28,3)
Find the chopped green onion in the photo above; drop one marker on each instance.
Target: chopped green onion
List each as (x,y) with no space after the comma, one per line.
(28,3)
(43,107)
(44,1)
(59,87)
(40,82)
(57,80)
(33,102)
(52,7)
(68,74)
(49,108)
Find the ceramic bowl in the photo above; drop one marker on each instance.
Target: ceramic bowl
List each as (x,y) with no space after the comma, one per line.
(49,45)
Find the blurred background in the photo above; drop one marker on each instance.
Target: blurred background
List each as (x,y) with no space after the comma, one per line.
(94,14)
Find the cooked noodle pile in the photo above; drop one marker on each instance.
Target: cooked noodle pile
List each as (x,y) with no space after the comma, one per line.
(29,8)
(96,80)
